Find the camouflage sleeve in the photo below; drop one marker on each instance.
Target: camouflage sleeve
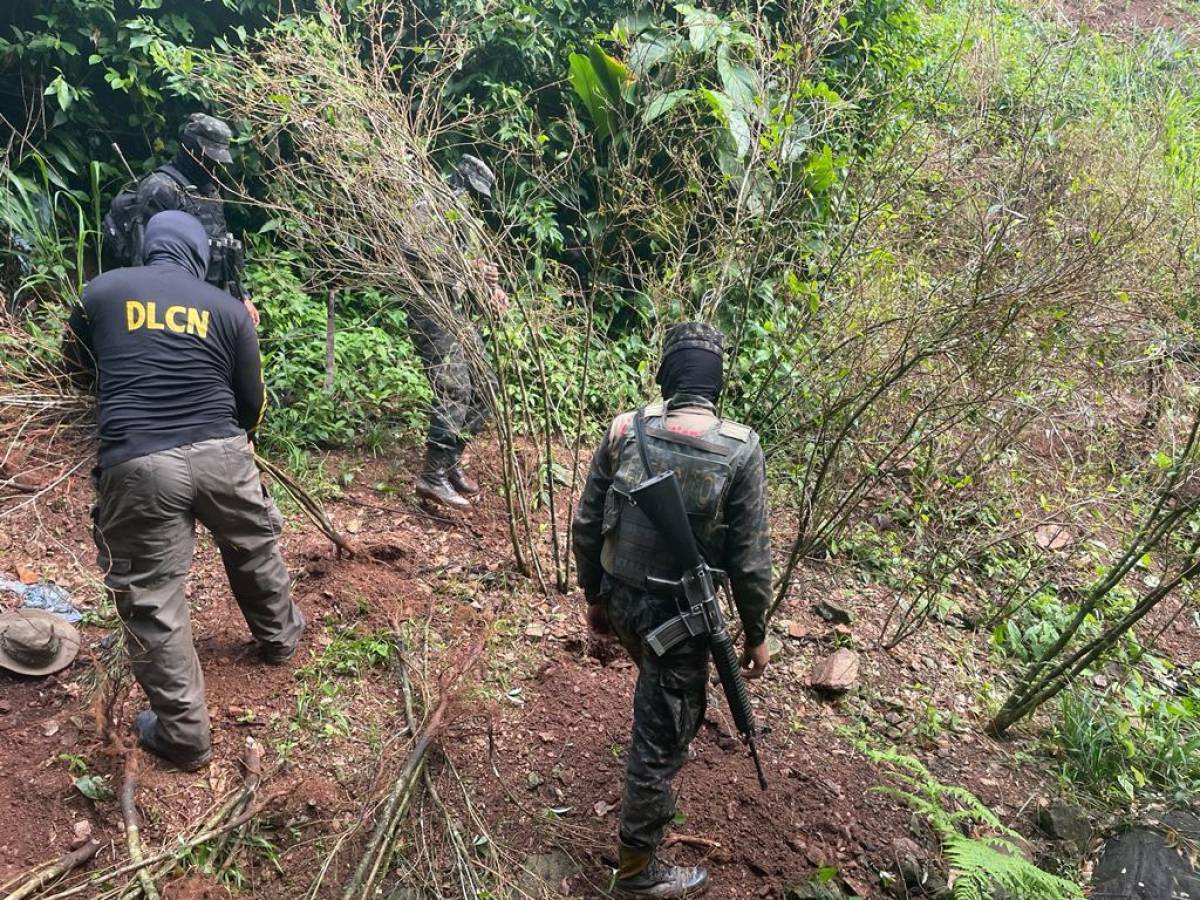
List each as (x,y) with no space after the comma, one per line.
(748,545)
(587,535)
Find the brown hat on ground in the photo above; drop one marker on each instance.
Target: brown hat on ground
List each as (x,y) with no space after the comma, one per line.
(36,642)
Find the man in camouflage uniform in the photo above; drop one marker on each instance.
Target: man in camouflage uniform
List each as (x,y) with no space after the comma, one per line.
(722,473)
(456,364)
(188,183)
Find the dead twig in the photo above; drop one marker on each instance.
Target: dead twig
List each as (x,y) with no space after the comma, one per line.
(133,832)
(44,874)
(174,854)
(252,763)
(308,504)
(379,846)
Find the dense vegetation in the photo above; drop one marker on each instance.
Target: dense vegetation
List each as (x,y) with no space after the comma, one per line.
(954,247)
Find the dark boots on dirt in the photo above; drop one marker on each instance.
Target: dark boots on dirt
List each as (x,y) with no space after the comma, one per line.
(434,485)
(463,483)
(145,726)
(642,875)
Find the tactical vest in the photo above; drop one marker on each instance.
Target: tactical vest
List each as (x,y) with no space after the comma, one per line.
(207,206)
(704,464)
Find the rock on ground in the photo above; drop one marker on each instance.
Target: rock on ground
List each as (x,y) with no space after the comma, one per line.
(836,673)
(1144,863)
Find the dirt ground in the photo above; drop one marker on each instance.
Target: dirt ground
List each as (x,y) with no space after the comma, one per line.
(1130,18)
(534,752)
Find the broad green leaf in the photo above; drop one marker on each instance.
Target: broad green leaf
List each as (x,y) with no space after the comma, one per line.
(662,104)
(704,27)
(821,171)
(61,91)
(587,86)
(63,158)
(599,80)
(611,73)
(94,787)
(737,80)
(733,119)
(739,128)
(651,49)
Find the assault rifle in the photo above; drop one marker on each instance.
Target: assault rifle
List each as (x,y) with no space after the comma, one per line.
(661,500)
(232,260)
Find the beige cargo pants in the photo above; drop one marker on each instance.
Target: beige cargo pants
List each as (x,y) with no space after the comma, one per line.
(145,520)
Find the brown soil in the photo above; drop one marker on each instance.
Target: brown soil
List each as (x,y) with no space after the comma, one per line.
(1131,17)
(539,743)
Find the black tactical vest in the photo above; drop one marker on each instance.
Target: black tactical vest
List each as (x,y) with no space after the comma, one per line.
(704,464)
(205,204)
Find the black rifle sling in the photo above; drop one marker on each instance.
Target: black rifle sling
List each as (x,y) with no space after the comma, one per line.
(639,429)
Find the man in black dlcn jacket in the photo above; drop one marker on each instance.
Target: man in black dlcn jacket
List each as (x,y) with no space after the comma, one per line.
(180,392)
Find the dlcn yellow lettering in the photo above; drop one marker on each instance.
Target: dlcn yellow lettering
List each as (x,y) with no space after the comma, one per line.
(177,319)
(172,318)
(135,315)
(197,322)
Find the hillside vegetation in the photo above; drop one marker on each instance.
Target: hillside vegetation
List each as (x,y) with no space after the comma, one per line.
(954,247)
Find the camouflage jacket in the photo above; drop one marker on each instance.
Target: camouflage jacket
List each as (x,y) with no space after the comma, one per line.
(745,551)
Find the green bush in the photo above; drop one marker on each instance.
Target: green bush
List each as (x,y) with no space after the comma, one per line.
(378,384)
(1131,742)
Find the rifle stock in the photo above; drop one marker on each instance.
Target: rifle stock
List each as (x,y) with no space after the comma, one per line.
(661,501)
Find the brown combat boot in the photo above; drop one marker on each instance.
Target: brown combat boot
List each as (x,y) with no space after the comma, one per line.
(642,875)
(433,484)
(463,483)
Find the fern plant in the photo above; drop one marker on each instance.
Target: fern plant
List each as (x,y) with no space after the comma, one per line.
(980,864)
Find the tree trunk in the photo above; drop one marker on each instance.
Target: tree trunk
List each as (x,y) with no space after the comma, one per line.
(329,340)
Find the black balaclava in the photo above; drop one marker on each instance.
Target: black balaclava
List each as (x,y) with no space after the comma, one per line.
(177,239)
(692,370)
(191,168)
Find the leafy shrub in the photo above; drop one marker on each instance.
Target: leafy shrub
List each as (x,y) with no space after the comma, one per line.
(378,383)
(1134,742)
(45,228)
(1030,630)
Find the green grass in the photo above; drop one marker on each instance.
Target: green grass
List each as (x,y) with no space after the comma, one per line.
(326,684)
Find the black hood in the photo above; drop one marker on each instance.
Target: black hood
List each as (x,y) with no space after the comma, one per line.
(174,238)
(692,370)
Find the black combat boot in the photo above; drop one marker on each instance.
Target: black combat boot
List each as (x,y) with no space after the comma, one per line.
(433,484)
(145,726)
(642,875)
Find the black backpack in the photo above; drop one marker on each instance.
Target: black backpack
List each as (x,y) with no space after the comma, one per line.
(123,222)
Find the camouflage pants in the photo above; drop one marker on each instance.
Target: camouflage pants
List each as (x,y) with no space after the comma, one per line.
(459,377)
(668,707)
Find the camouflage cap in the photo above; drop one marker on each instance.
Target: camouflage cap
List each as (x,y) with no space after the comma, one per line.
(697,335)
(208,134)
(473,172)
